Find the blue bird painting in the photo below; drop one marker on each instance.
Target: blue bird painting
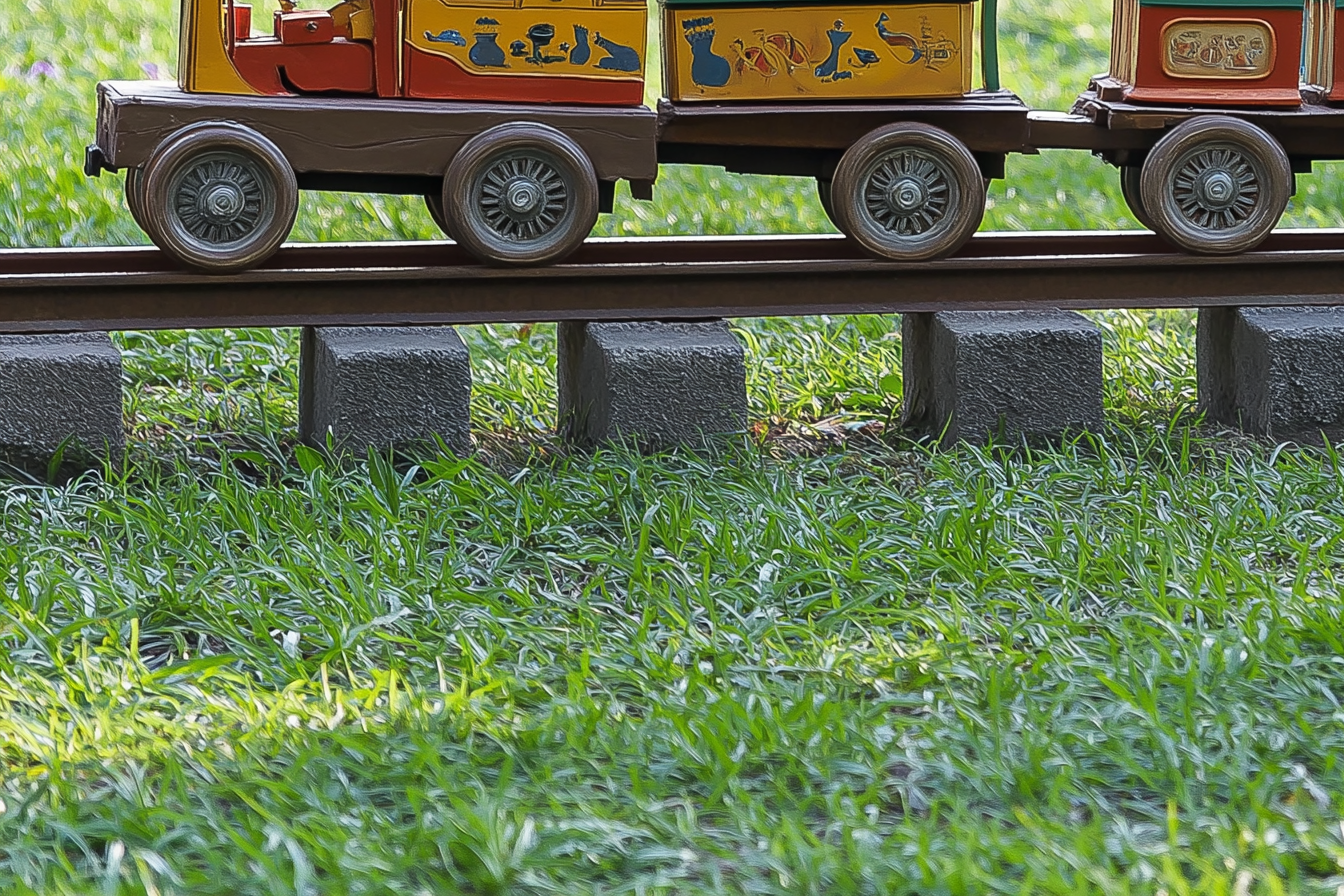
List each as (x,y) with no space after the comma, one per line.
(447,36)
(899,39)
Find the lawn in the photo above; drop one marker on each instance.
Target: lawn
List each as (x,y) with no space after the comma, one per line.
(816,660)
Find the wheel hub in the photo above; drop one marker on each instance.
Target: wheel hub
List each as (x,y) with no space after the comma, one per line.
(906,195)
(523,196)
(220,199)
(1216,189)
(223,202)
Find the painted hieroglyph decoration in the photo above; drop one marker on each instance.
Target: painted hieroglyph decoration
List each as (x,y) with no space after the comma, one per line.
(587,40)
(836,52)
(1227,48)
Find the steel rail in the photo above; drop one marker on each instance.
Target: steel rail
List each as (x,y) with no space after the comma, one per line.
(55,290)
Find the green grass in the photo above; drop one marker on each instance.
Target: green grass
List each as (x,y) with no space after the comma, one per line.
(819,660)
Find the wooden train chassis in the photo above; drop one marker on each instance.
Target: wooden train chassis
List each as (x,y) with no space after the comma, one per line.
(808,139)
(396,146)
(405,146)
(365,145)
(1122,133)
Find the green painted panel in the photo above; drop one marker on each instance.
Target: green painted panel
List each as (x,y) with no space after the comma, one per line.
(989,43)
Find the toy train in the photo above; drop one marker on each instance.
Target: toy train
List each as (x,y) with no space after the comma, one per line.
(515,118)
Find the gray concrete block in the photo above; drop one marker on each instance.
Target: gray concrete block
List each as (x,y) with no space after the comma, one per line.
(658,384)
(1273,371)
(385,387)
(1007,374)
(59,387)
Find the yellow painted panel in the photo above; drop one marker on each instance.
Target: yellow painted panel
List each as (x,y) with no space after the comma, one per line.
(205,67)
(569,39)
(818,52)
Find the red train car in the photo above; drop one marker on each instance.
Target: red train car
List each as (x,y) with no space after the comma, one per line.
(1211,109)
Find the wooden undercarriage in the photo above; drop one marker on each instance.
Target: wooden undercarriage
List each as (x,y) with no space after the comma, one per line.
(464,157)
(905,179)
(1125,131)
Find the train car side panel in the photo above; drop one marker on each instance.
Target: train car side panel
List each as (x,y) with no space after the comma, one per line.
(817,52)
(1208,52)
(586,51)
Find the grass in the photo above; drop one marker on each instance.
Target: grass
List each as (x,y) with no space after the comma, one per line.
(816,660)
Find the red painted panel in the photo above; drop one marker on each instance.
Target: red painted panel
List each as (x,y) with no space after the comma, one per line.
(386,41)
(342,66)
(433,77)
(242,21)
(1279,88)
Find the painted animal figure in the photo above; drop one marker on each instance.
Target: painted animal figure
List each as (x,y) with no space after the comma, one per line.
(899,39)
(447,36)
(619,58)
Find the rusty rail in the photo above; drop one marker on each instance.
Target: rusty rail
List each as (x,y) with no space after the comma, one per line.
(52,290)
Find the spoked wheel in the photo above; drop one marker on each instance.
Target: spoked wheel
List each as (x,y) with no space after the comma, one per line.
(220,198)
(1216,185)
(908,192)
(520,194)
(1130,188)
(135,196)
(434,202)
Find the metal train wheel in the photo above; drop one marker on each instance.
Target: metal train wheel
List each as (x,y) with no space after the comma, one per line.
(908,192)
(135,203)
(1130,176)
(520,194)
(434,202)
(135,197)
(1216,185)
(220,198)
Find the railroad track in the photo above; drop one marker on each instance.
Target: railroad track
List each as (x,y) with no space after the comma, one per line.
(54,290)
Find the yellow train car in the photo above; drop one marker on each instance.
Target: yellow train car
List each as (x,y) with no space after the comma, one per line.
(816,51)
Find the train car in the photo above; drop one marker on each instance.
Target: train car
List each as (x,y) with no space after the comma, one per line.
(1206,116)
(875,100)
(515,118)
(554,51)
